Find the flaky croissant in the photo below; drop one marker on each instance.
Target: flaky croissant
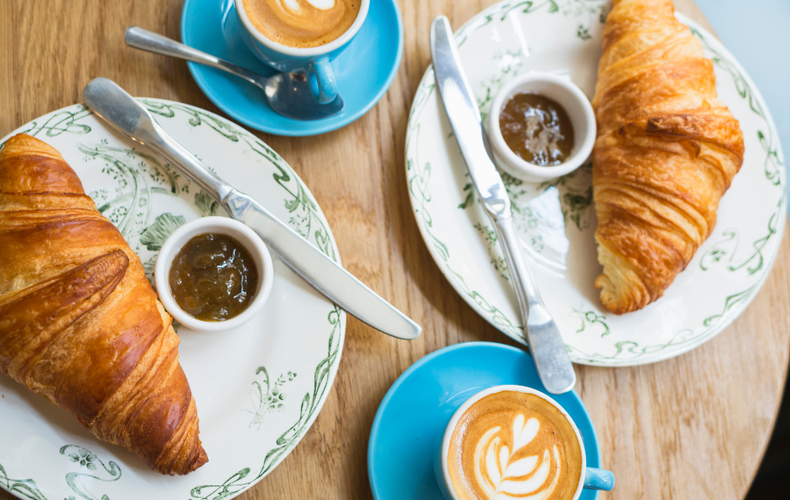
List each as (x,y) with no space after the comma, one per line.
(666,152)
(79,322)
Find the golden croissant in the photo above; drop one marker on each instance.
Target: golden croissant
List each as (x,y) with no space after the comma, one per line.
(666,152)
(79,322)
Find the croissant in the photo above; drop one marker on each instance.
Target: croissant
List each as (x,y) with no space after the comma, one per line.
(79,322)
(665,153)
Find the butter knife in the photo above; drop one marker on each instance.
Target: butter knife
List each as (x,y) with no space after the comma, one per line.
(125,114)
(542,335)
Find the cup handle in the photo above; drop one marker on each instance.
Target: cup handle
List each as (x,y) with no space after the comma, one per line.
(321,80)
(598,479)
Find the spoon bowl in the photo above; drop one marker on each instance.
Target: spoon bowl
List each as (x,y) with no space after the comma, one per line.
(289,95)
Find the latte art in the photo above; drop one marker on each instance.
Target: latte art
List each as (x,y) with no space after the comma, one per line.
(302,23)
(500,476)
(293,5)
(512,445)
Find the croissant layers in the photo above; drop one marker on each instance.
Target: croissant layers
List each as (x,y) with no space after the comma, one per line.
(79,322)
(666,152)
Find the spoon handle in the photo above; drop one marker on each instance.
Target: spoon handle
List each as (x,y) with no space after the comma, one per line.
(149,41)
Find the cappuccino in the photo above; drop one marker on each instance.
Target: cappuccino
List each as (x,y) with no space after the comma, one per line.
(302,23)
(513,444)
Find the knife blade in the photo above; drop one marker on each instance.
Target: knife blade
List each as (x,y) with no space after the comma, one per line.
(542,335)
(114,105)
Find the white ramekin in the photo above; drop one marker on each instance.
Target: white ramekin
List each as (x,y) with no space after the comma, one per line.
(580,112)
(222,225)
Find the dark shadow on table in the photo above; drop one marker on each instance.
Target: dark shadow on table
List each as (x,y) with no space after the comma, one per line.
(773,477)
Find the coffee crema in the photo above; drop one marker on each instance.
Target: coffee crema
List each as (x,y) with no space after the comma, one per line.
(302,23)
(514,445)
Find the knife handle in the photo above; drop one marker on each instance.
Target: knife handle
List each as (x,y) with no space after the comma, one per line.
(123,112)
(108,100)
(544,339)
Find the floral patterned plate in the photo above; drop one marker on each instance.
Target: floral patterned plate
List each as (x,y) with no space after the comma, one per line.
(258,388)
(515,37)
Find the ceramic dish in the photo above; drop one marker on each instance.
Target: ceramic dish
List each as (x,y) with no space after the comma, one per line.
(412,417)
(726,273)
(560,89)
(258,387)
(218,225)
(364,70)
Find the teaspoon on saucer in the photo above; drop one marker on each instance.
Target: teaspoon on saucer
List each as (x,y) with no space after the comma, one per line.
(287,93)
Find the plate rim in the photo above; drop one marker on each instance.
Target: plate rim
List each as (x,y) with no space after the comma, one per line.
(197,73)
(729,316)
(342,315)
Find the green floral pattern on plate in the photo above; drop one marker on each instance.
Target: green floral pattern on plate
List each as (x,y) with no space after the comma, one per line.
(725,248)
(311,402)
(98,471)
(132,186)
(83,459)
(266,397)
(588,11)
(23,488)
(590,321)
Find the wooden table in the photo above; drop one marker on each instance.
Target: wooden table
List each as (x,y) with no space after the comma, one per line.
(693,427)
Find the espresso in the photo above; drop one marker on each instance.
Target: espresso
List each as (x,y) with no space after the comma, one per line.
(302,23)
(513,445)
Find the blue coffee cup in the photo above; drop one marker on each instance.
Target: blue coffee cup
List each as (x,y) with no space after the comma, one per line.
(314,62)
(590,478)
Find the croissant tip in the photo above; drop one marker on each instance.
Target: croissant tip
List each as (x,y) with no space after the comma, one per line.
(183,468)
(26,143)
(614,307)
(618,284)
(200,460)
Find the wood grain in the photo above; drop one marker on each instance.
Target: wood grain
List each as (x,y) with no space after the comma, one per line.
(692,427)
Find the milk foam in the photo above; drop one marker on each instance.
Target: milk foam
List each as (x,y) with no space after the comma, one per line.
(322,4)
(293,5)
(500,477)
(302,23)
(514,445)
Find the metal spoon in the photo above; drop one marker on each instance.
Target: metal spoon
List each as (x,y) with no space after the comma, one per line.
(287,93)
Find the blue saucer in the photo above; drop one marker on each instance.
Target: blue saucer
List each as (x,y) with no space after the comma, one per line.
(416,409)
(364,71)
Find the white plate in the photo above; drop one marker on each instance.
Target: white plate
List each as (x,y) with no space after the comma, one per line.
(512,38)
(258,388)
